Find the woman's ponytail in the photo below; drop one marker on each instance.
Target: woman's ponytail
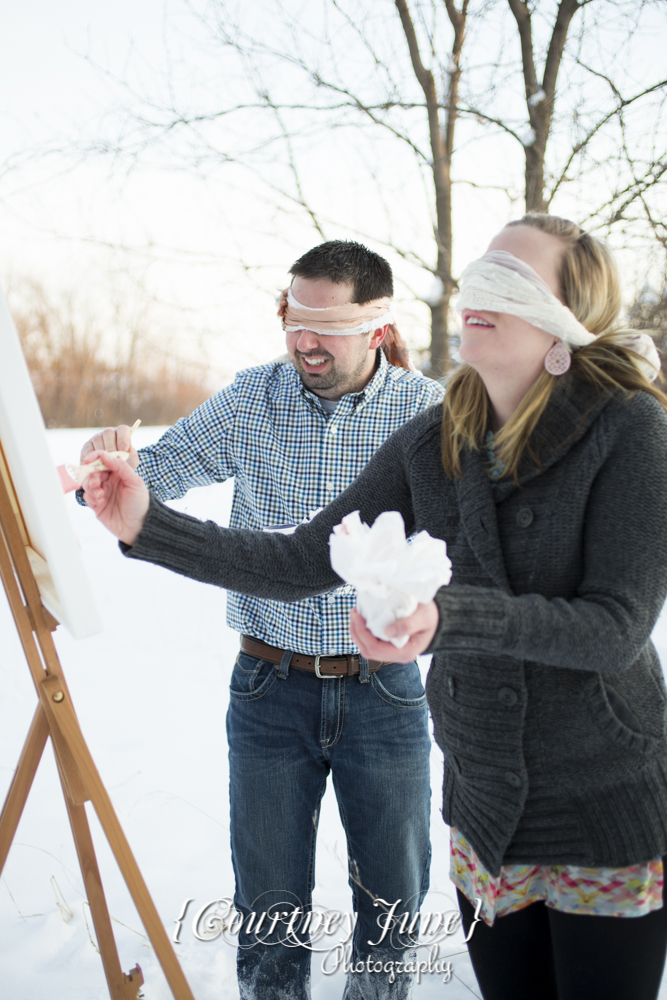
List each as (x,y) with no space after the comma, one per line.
(395,349)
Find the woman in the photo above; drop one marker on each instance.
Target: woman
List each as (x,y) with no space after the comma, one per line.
(546,474)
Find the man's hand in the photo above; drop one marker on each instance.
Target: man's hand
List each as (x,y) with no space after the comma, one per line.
(112,439)
(118,497)
(420,627)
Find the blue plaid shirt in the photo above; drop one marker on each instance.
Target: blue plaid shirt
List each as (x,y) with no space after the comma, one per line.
(288,457)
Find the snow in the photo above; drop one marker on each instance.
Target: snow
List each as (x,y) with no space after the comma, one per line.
(151,696)
(529,136)
(434,295)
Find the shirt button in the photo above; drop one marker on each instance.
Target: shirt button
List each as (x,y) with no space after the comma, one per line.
(525,517)
(513,779)
(507,696)
(451,687)
(329,487)
(332,430)
(331,599)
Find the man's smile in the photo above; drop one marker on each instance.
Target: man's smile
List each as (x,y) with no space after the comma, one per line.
(313,362)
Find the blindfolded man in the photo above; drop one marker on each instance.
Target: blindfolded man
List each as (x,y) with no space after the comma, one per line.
(303,703)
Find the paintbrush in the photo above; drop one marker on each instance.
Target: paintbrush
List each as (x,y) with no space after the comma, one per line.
(72,477)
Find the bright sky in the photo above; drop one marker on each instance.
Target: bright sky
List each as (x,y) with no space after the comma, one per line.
(200,254)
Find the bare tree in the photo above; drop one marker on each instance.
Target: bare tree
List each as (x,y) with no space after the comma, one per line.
(547,76)
(541,72)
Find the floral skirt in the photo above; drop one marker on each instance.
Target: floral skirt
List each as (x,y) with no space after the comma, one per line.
(608,892)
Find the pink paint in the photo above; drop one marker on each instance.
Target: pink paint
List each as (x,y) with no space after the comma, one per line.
(68,484)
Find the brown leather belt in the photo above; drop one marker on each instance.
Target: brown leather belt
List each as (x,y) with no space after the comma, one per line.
(323,666)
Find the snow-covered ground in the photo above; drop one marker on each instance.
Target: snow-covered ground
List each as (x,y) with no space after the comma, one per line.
(151,695)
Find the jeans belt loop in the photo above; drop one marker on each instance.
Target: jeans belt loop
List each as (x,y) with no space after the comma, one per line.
(364,672)
(323,677)
(284,664)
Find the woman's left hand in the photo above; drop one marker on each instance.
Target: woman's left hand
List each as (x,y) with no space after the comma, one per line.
(419,626)
(118,497)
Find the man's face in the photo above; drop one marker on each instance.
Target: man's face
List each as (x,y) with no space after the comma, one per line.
(330,366)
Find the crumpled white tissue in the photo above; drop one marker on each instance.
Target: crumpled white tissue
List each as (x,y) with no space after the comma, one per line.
(391,575)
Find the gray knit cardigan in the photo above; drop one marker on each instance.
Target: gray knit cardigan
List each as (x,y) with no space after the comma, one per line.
(546,692)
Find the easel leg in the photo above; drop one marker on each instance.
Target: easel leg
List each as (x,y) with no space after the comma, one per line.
(22,782)
(63,716)
(120,986)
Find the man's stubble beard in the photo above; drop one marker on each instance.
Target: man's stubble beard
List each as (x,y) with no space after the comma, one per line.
(334,380)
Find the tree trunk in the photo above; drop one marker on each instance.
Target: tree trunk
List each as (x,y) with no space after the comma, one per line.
(534,176)
(442,147)
(440,361)
(540,99)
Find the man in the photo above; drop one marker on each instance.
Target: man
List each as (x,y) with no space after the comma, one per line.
(302,702)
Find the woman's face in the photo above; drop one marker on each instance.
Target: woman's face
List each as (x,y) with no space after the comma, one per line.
(498,343)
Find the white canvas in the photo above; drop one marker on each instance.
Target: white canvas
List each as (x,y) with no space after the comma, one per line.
(54,552)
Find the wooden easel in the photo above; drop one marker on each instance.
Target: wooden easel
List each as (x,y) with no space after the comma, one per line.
(81,782)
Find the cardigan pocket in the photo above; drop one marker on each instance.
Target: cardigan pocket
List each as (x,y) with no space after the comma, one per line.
(583,741)
(621,709)
(615,718)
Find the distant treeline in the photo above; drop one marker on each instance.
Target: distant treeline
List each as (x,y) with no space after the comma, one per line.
(78,384)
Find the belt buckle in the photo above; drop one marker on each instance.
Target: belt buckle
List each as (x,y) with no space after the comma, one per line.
(322,677)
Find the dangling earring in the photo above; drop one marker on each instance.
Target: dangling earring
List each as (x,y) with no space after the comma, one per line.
(558,359)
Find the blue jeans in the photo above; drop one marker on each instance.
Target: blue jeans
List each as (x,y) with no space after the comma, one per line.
(285,734)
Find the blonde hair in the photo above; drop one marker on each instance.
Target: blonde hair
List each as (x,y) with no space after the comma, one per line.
(591,288)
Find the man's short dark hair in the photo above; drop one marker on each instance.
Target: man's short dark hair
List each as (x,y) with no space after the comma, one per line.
(342,261)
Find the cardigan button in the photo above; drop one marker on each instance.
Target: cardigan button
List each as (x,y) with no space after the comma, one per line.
(513,779)
(451,687)
(507,697)
(525,517)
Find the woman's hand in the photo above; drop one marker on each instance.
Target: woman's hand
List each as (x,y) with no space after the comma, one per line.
(118,497)
(419,626)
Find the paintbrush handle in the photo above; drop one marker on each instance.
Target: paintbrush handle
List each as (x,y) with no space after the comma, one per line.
(80,472)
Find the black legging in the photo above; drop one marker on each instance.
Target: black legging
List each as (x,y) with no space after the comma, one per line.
(542,954)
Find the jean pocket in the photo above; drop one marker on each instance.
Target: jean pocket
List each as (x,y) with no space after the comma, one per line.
(399,684)
(251,678)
